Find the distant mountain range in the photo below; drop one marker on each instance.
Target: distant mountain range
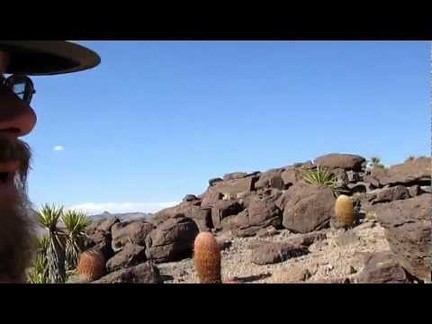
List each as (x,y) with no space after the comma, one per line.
(120,216)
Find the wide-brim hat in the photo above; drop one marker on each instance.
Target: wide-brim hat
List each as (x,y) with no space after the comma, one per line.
(48,57)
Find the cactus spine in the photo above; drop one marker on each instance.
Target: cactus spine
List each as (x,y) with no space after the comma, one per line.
(207,258)
(344,211)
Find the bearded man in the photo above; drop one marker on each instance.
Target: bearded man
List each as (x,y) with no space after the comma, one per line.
(18,61)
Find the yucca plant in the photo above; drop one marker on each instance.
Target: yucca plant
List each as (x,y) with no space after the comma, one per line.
(42,244)
(48,217)
(321,175)
(38,273)
(75,223)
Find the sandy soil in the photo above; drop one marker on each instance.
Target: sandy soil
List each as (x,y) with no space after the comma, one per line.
(338,257)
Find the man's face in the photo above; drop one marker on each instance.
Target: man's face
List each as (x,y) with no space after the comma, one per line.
(16,227)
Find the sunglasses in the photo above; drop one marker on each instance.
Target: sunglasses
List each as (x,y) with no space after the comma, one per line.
(21,85)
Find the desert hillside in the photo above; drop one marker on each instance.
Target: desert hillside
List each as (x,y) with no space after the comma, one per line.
(281,225)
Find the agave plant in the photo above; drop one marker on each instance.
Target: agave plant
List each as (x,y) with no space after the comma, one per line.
(48,217)
(75,223)
(321,175)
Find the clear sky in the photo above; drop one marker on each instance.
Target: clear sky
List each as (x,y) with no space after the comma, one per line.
(157,119)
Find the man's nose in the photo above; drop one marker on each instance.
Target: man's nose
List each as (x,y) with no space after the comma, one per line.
(16,117)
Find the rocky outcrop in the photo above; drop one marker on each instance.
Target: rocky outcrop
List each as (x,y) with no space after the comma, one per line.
(271,179)
(234,176)
(130,255)
(98,235)
(292,175)
(382,267)
(232,187)
(409,230)
(255,204)
(416,171)
(189,209)
(134,232)
(190,197)
(397,192)
(225,204)
(102,225)
(308,208)
(343,161)
(223,209)
(172,240)
(261,213)
(142,273)
(210,197)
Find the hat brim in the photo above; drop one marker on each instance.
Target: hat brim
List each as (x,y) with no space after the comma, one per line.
(48,57)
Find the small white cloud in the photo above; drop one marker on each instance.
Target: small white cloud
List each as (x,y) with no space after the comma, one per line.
(124,207)
(58,148)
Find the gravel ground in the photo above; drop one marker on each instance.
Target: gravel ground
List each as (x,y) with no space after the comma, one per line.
(335,259)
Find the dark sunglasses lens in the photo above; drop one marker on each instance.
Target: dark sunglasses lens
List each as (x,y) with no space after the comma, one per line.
(22,87)
(19,89)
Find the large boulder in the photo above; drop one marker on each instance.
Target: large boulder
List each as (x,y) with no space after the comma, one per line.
(292,175)
(201,216)
(308,207)
(212,181)
(134,232)
(130,255)
(262,212)
(233,187)
(408,226)
(142,273)
(390,194)
(382,267)
(190,198)
(234,175)
(341,160)
(271,179)
(341,177)
(210,197)
(223,209)
(104,224)
(172,240)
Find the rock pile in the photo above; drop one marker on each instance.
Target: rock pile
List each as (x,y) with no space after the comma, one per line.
(261,204)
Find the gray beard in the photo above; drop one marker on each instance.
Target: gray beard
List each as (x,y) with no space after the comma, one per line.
(17,221)
(17,238)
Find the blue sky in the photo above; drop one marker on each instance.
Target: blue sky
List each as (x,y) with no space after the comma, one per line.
(157,119)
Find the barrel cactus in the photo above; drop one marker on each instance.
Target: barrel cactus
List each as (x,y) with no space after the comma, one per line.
(207,258)
(344,212)
(91,264)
